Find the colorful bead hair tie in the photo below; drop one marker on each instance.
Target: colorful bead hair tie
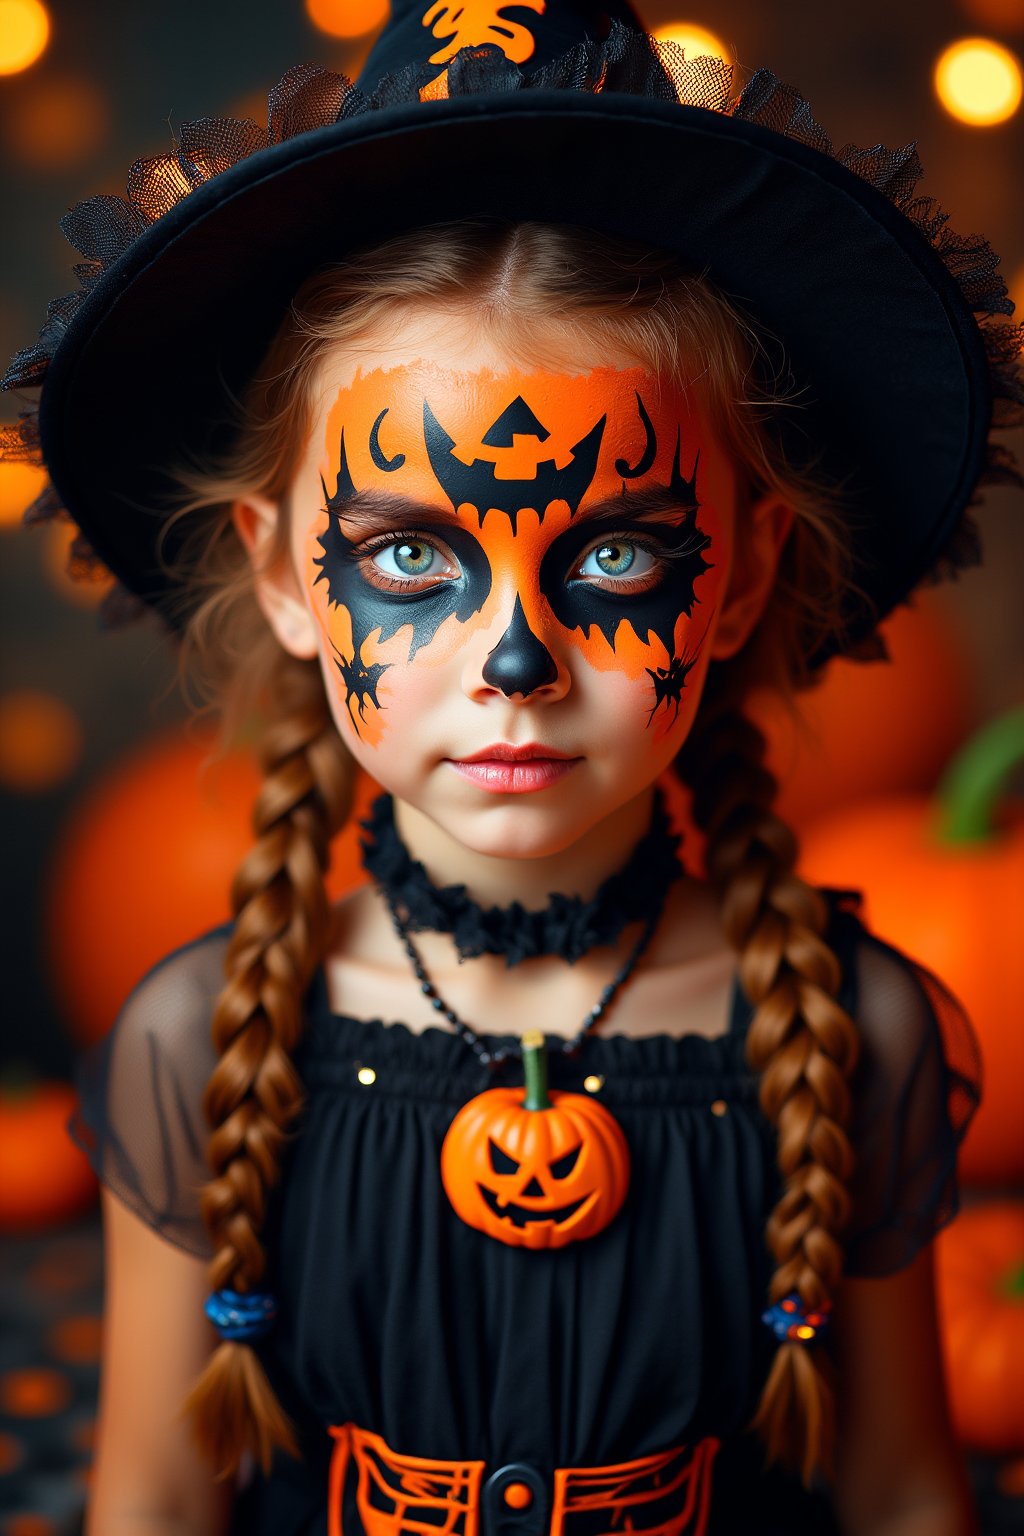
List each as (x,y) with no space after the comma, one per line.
(791,1319)
(241,1315)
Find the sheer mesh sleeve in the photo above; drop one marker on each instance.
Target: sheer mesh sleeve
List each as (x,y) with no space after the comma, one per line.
(915,1089)
(140,1117)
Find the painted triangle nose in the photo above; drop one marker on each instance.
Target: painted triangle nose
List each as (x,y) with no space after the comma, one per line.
(519,663)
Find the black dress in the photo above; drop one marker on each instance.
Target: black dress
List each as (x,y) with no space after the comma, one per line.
(397,1317)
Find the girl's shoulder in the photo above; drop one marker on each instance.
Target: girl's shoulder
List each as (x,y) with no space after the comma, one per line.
(139,1117)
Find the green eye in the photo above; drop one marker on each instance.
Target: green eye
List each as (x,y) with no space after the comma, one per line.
(616,558)
(411,558)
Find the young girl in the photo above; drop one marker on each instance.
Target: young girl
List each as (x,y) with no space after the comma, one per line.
(493,428)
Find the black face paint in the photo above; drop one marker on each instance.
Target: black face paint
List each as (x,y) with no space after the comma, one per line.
(581,605)
(516,420)
(377,453)
(360,684)
(344,489)
(519,663)
(477,484)
(685,489)
(371,608)
(669,683)
(646,459)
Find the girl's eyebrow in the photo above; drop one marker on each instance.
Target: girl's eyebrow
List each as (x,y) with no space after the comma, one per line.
(379,510)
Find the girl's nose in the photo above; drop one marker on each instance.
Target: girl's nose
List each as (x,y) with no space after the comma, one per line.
(520,662)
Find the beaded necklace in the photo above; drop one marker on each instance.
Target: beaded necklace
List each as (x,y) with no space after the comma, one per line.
(532,1168)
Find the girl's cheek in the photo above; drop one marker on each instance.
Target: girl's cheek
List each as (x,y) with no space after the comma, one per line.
(643,696)
(380,683)
(654,663)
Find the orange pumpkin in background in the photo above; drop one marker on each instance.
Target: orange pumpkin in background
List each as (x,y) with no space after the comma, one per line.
(145,863)
(44,1178)
(866,729)
(980,1288)
(874,727)
(944,880)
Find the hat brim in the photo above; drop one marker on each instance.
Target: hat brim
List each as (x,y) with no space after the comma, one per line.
(874,327)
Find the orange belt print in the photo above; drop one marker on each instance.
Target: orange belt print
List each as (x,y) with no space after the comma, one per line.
(668,1494)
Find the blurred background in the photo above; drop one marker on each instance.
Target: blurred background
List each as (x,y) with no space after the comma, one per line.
(116,847)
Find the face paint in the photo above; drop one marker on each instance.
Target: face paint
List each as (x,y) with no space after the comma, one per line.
(519,663)
(477,484)
(565,516)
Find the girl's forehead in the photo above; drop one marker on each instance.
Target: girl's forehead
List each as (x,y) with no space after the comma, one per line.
(512,437)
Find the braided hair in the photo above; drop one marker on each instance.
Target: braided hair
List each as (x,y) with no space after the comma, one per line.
(801,1042)
(254,1095)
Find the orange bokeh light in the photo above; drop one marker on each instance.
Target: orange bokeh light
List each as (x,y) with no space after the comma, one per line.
(20,484)
(694,39)
(40,740)
(57,122)
(24,34)
(978,81)
(1015,287)
(347,18)
(1000,15)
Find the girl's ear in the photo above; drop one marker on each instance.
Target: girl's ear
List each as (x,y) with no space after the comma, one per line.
(277,587)
(757,546)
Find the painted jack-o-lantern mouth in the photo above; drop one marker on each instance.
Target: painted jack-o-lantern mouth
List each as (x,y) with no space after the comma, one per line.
(531,1169)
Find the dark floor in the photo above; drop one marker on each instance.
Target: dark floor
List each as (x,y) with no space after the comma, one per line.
(51,1290)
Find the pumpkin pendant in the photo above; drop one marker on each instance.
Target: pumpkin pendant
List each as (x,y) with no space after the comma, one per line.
(533,1169)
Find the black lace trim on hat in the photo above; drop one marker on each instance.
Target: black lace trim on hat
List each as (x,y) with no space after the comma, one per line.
(309,97)
(567,926)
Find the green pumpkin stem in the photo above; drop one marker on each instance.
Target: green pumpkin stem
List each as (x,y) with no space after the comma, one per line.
(971,786)
(1013,1284)
(535,1070)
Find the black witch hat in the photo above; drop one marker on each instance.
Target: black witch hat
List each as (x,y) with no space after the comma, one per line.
(544,110)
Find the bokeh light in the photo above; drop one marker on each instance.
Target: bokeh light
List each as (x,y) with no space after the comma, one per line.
(1015,287)
(694,39)
(40,740)
(978,81)
(34,1392)
(24,33)
(20,484)
(1000,15)
(58,122)
(347,18)
(76,1340)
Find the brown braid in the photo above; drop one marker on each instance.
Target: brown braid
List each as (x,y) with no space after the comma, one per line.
(280,936)
(803,1044)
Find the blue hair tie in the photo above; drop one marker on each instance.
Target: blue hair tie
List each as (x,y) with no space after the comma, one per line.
(239,1315)
(790,1320)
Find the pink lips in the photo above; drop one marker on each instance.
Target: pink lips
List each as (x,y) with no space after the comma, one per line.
(503,769)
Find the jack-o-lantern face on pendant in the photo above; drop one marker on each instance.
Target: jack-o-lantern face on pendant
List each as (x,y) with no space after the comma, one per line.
(533,1169)
(457,501)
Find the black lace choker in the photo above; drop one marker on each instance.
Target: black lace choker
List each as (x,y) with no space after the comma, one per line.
(567,926)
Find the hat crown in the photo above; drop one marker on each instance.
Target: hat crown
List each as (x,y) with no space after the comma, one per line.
(530,33)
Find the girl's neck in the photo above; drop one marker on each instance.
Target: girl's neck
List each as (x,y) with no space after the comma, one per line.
(491,880)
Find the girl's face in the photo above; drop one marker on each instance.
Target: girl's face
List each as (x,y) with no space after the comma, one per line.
(490,555)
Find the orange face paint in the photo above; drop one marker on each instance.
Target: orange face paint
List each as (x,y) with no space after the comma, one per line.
(573,517)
